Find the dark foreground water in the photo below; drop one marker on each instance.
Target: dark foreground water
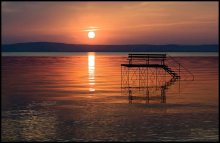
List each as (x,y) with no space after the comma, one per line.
(78,98)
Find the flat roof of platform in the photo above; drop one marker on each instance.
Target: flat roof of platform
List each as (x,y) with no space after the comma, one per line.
(147,55)
(142,65)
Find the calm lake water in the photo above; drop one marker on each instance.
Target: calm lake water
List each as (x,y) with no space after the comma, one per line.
(78,97)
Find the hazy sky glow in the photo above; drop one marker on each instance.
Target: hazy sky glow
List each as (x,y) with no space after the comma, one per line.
(113,22)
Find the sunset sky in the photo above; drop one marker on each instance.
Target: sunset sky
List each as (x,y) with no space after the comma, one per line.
(113,22)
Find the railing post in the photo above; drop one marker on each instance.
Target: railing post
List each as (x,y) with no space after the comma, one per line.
(148,60)
(156,78)
(121,77)
(139,78)
(128,78)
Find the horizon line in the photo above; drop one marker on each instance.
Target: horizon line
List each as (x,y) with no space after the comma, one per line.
(102,44)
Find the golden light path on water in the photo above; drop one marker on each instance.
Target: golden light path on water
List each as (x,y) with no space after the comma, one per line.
(91,71)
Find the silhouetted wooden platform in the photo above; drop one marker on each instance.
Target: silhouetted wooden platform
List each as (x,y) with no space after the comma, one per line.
(145,60)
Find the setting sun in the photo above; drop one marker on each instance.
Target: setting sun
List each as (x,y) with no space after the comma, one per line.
(91,35)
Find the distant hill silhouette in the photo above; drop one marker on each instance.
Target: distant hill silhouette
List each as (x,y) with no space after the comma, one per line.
(62,47)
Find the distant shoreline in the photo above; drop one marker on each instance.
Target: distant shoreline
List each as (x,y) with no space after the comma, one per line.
(62,47)
(57,54)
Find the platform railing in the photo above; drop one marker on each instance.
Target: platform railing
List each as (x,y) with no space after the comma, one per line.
(146,58)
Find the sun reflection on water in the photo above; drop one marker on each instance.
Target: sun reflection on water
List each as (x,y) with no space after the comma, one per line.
(91,71)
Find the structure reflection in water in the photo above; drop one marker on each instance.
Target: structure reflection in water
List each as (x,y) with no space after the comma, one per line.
(149,93)
(91,71)
(148,76)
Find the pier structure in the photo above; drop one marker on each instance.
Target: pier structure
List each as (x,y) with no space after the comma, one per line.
(150,75)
